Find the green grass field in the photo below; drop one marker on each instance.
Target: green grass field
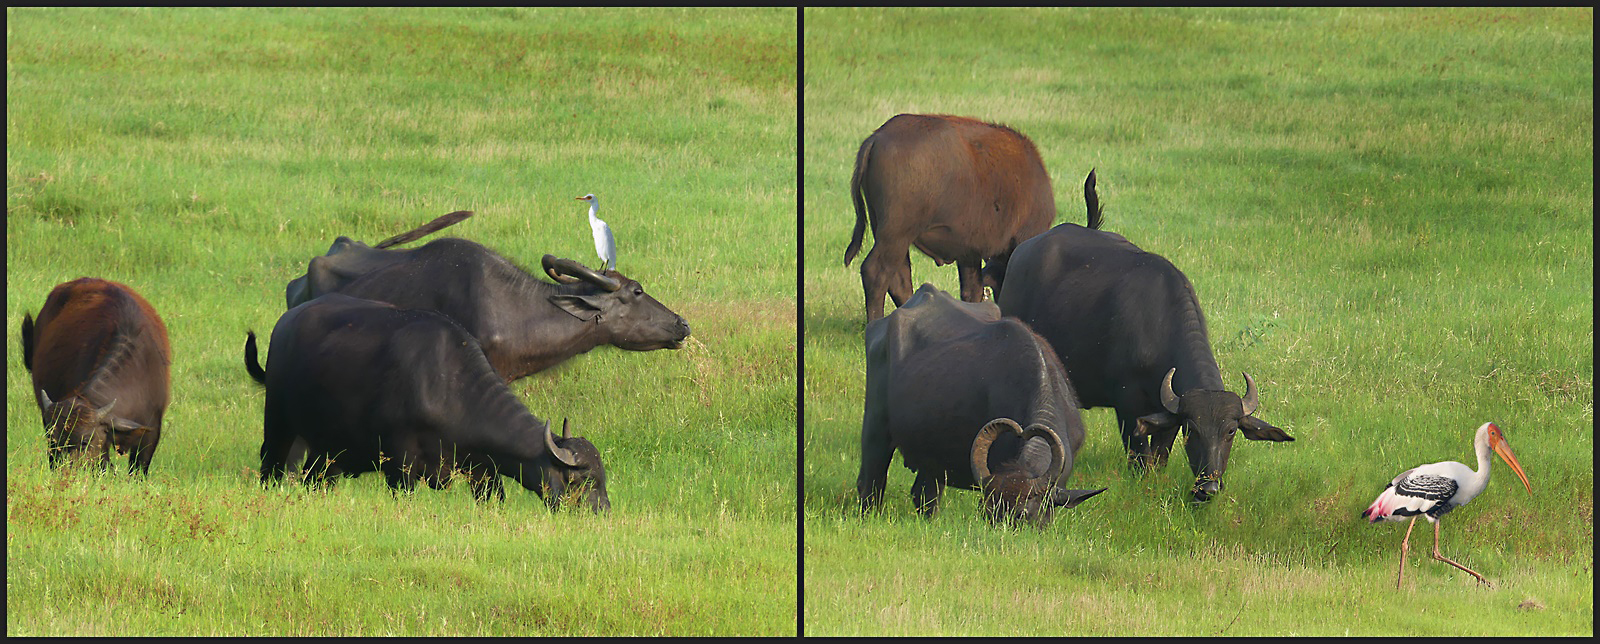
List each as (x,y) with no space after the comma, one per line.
(204,156)
(1388,216)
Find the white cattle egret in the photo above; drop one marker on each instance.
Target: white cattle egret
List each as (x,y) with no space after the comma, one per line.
(604,243)
(1436,488)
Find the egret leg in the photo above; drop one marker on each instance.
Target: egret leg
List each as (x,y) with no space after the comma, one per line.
(1405,544)
(1440,557)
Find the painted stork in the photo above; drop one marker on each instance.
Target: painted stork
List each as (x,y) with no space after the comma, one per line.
(1436,488)
(604,243)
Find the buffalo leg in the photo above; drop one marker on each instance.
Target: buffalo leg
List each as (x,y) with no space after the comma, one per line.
(900,283)
(993,273)
(925,491)
(877,451)
(485,483)
(1138,446)
(318,471)
(1161,447)
(401,478)
(139,457)
(274,457)
(971,280)
(297,454)
(898,277)
(886,271)
(1148,451)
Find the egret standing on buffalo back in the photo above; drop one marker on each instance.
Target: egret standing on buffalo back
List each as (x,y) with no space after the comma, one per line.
(604,243)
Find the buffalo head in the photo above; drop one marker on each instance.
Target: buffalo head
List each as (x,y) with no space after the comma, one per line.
(75,429)
(632,319)
(1209,419)
(1014,492)
(574,468)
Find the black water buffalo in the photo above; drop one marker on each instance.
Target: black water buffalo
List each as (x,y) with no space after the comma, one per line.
(370,386)
(525,325)
(1127,325)
(952,385)
(960,190)
(100,362)
(348,259)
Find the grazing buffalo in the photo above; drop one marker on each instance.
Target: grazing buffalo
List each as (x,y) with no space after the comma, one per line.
(525,325)
(952,385)
(960,190)
(1127,325)
(100,359)
(370,386)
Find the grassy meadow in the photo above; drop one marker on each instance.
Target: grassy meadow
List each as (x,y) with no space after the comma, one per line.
(203,156)
(1388,217)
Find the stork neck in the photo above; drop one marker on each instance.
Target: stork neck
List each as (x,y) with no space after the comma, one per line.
(1480,478)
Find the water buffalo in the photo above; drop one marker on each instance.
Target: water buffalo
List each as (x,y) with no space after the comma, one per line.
(1127,324)
(960,190)
(370,386)
(100,359)
(525,325)
(952,385)
(348,259)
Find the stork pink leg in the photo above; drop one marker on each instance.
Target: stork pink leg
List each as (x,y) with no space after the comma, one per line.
(1405,544)
(1440,557)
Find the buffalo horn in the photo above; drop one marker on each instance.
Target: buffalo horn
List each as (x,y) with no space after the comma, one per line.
(1250,401)
(564,434)
(1058,456)
(44,401)
(561,453)
(104,412)
(549,263)
(985,439)
(1169,399)
(568,271)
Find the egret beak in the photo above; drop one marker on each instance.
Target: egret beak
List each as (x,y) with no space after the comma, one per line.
(1503,448)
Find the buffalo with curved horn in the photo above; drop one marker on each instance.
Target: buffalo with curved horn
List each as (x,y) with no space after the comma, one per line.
(1119,317)
(364,386)
(1019,491)
(525,325)
(949,385)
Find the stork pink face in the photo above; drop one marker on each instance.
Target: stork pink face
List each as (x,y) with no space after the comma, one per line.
(1497,442)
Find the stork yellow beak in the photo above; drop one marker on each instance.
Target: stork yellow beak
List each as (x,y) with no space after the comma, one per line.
(1503,448)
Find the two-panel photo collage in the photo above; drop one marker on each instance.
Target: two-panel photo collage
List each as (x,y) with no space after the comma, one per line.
(799,322)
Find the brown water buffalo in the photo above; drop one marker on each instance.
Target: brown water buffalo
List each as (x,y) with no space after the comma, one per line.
(960,190)
(99,358)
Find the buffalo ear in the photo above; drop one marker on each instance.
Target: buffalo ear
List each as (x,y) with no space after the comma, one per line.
(1156,423)
(122,425)
(583,307)
(125,432)
(1258,430)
